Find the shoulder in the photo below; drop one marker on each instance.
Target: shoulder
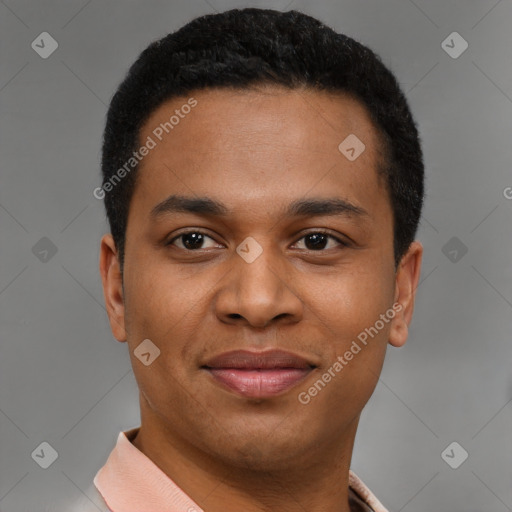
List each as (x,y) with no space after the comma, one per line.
(364,493)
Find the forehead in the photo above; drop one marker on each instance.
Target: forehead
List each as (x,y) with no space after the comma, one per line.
(244,140)
(227,116)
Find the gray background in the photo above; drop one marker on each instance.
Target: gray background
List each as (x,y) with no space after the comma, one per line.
(66,381)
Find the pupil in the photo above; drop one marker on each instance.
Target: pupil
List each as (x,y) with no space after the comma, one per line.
(319,241)
(192,240)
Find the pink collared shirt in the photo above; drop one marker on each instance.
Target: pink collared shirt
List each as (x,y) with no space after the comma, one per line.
(130,482)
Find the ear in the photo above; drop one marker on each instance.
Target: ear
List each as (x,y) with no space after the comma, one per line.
(407,277)
(112,286)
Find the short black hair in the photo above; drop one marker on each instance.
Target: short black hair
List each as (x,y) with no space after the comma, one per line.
(241,48)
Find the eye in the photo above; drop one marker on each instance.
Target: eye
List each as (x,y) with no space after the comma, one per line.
(314,241)
(191,240)
(318,240)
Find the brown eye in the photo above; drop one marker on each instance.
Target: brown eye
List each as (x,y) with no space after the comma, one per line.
(190,241)
(318,241)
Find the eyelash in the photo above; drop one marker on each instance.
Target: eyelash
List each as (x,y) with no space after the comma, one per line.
(318,232)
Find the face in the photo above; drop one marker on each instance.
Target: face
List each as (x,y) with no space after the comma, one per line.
(258,256)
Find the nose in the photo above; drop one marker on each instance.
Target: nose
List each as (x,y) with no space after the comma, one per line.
(258,293)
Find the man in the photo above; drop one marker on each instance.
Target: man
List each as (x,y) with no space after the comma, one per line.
(263,181)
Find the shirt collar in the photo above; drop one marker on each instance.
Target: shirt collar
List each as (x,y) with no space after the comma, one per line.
(131,482)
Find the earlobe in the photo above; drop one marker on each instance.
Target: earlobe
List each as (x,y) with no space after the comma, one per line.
(407,278)
(112,286)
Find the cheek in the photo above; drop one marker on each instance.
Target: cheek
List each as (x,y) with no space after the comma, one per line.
(156,290)
(353,304)
(362,323)
(357,337)
(159,308)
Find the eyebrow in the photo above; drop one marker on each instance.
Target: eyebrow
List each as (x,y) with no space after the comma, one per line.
(302,207)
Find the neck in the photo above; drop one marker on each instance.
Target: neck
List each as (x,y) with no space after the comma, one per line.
(316,482)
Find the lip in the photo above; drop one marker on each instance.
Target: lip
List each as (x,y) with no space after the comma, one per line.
(259,374)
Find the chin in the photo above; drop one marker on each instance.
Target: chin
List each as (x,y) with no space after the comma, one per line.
(262,456)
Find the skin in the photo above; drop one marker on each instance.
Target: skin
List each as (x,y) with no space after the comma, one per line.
(256,151)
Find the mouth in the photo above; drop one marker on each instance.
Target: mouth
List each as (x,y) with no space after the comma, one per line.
(258,374)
